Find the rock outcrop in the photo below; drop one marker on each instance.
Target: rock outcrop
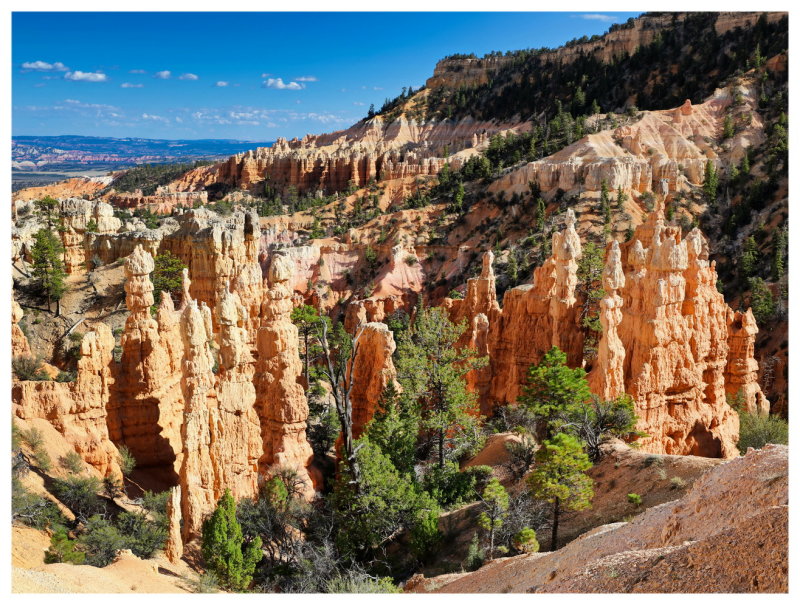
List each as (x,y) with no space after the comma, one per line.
(668,340)
(19,342)
(741,373)
(608,378)
(280,399)
(146,412)
(173,549)
(78,409)
(372,373)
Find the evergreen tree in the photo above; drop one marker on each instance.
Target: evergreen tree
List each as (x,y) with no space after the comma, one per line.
(622,197)
(224,549)
(590,291)
(554,390)
(458,198)
(306,319)
(48,269)
(382,504)
(761,300)
(605,202)
(779,256)
(495,506)
(432,371)
(711,181)
(394,428)
(749,257)
(167,276)
(727,127)
(47,209)
(558,477)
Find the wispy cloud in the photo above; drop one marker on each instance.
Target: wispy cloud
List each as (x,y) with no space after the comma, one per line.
(221,84)
(137,71)
(163,75)
(279,84)
(129,85)
(265,75)
(188,77)
(359,103)
(83,76)
(155,118)
(84,105)
(598,17)
(306,79)
(44,66)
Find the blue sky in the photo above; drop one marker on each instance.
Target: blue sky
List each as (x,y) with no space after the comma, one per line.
(251,76)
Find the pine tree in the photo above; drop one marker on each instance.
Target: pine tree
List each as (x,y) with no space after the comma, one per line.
(622,197)
(495,507)
(553,390)
(727,127)
(431,370)
(558,477)
(306,319)
(458,198)
(224,549)
(48,269)
(47,208)
(711,181)
(779,256)
(167,276)
(590,291)
(749,257)
(605,202)
(394,428)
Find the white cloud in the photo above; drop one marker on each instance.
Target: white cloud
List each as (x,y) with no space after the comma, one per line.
(137,71)
(44,66)
(377,88)
(82,105)
(306,79)
(221,84)
(163,75)
(155,118)
(83,76)
(598,17)
(265,75)
(189,77)
(357,103)
(129,85)
(279,84)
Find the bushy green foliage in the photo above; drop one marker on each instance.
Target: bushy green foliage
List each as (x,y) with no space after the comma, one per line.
(79,494)
(525,541)
(383,503)
(35,440)
(635,499)
(394,429)
(101,541)
(475,555)
(451,487)
(353,583)
(554,389)
(224,549)
(167,276)
(33,510)
(62,549)
(72,462)
(756,431)
(141,535)
(590,291)
(127,462)
(761,300)
(559,477)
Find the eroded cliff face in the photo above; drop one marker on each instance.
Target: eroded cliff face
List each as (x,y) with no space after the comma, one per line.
(668,340)
(78,410)
(20,347)
(372,372)
(369,150)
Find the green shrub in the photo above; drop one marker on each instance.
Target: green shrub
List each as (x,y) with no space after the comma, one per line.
(72,462)
(142,535)
(475,555)
(100,542)
(35,440)
(525,541)
(79,494)
(62,549)
(677,483)
(28,368)
(126,461)
(32,510)
(635,499)
(756,431)
(66,376)
(355,583)
(451,487)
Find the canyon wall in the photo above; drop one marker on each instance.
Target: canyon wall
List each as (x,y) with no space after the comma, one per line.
(668,339)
